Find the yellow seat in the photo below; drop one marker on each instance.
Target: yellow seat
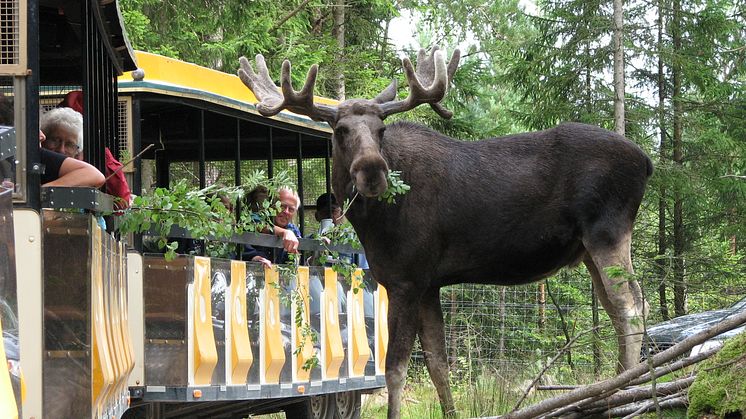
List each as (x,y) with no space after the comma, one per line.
(304,343)
(332,337)
(382,329)
(358,349)
(273,352)
(239,354)
(103,367)
(204,350)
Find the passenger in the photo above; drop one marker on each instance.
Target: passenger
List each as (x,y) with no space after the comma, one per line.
(60,170)
(64,131)
(328,208)
(283,227)
(254,200)
(116,183)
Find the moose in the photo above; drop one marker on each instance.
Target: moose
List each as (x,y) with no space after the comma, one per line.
(504,211)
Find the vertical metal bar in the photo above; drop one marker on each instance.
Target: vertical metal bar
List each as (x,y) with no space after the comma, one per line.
(327,166)
(299,164)
(271,161)
(161,169)
(136,145)
(32,155)
(237,160)
(202,148)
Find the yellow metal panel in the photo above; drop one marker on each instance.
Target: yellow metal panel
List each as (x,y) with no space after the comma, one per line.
(124,309)
(102,368)
(168,70)
(333,350)
(240,351)
(8,407)
(110,320)
(304,343)
(273,350)
(204,351)
(382,327)
(358,346)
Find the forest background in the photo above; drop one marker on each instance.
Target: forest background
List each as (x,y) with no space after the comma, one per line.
(529,66)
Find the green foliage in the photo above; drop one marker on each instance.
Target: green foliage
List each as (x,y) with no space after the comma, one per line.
(718,389)
(396,186)
(201,212)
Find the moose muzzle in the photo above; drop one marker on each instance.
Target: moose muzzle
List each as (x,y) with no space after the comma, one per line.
(369,175)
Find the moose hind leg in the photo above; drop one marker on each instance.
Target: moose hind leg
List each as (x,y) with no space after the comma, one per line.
(402,322)
(432,338)
(620,295)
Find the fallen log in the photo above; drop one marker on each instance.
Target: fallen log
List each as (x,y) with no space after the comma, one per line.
(675,366)
(613,384)
(636,409)
(632,395)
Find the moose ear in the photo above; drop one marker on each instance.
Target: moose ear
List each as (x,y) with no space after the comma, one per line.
(388,94)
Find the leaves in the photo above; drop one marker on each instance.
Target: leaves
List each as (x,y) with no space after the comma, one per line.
(396,186)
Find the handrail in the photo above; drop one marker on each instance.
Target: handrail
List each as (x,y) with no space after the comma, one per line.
(264,240)
(58,197)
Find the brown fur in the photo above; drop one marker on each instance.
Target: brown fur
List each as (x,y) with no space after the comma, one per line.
(504,211)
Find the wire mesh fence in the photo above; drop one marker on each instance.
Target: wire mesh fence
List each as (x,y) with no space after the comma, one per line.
(510,328)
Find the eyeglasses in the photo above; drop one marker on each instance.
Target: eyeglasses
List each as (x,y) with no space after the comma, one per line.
(289,208)
(69,146)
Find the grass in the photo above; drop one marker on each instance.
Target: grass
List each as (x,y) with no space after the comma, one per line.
(490,393)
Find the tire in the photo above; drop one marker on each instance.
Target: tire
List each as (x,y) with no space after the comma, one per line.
(347,405)
(315,407)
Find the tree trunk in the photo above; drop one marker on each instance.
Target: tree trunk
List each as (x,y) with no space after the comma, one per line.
(618,67)
(662,238)
(339,34)
(679,286)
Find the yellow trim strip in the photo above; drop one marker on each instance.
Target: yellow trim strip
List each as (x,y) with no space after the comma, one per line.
(382,328)
(358,349)
(204,350)
(304,343)
(180,74)
(240,346)
(333,349)
(103,368)
(272,349)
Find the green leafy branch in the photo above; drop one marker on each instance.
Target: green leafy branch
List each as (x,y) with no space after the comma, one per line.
(396,187)
(202,212)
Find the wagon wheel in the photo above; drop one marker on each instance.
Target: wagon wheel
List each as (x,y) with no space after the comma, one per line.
(315,407)
(348,405)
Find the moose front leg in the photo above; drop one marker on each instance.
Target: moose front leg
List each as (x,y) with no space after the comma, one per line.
(432,338)
(402,320)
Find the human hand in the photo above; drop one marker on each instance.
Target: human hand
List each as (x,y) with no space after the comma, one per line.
(267,264)
(289,241)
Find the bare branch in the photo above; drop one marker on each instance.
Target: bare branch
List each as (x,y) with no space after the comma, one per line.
(549,364)
(289,15)
(613,384)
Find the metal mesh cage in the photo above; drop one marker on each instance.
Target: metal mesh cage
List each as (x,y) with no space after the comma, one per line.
(124,131)
(12,36)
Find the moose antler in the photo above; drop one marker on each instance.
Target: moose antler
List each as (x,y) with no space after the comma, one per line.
(272,101)
(428,84)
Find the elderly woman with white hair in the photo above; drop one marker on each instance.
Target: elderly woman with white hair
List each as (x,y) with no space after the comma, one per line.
(64,130)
